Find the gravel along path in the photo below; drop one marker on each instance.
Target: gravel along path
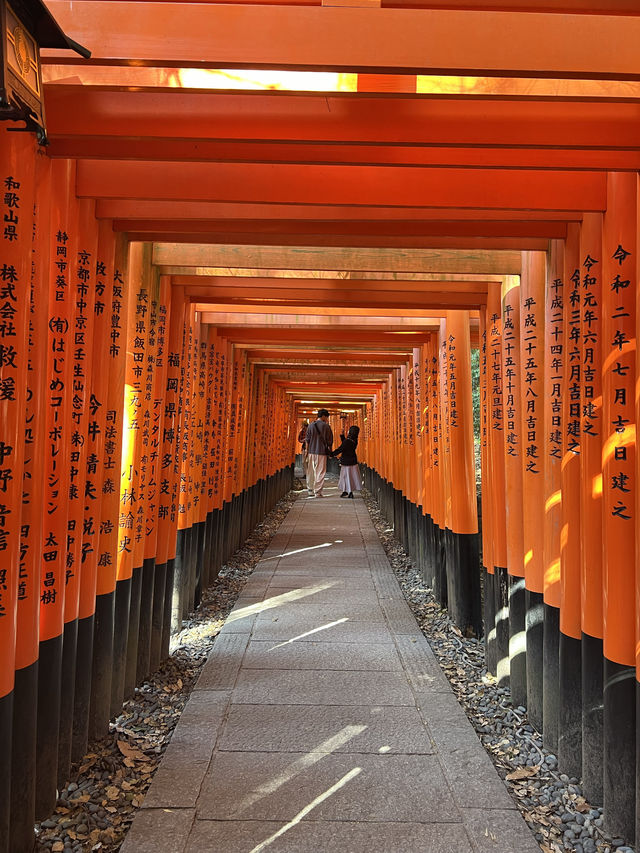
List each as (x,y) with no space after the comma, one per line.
(551,802)
(96,808)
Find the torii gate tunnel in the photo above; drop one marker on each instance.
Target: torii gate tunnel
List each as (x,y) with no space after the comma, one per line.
(246,212)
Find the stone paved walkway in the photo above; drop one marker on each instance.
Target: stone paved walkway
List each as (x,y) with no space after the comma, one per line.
(322,721)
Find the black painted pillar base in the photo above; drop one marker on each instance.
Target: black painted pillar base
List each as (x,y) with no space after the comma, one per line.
(130,679)
(489,600)
(463,581)
(6,724)
(82,693)
(570,713)
(440,575)
(592,718)
(49,680)
(143,661)
(517,641)
(67,690)
(534,622)
(551,676)
(501,592)
(157,616)
(102,665)
(22,759)
(120,634)
(619,776)
(168,609)
(179,582)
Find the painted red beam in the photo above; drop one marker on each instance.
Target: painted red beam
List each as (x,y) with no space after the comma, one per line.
(348,185)
(357,228)
(113,148)
(352,39)
(136,209)
(603,7)
(406,121)
(327,337)
(535,244)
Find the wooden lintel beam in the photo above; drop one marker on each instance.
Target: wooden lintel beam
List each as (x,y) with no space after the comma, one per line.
(412,41)
(343,185)
(440,262)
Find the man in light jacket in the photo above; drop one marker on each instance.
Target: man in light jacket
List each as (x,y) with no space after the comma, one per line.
(319,439)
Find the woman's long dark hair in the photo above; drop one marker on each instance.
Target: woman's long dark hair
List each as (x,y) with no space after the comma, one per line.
(353,434)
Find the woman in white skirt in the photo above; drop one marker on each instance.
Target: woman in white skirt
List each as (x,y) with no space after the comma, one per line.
(349,481)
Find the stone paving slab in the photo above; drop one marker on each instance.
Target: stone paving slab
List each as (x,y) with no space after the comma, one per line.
(301,728)
(376,657)
(321,722)
(334,629)
(310,836)
(267,786)
(321,687)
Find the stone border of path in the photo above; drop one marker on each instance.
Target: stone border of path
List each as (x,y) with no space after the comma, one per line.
(473,789)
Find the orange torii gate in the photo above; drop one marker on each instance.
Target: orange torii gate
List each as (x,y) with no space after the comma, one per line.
(205,267)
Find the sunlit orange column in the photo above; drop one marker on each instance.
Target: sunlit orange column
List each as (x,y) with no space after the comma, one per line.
(57,477)
(462,551)
(515,448)
(18,158)
(619,288)
(552,461)
(497,496)
(23,756)
(77,653)
(112,615)
(98,576)
(532,316)
(169,470)
(591,432)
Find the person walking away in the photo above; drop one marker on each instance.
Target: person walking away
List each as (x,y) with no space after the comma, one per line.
(319,440)
(305,455)
(349,481)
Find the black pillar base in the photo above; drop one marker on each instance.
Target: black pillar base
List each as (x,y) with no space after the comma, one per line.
(619,776)
(102,665)
(489,600)
(23,763)
(6,724)
(67,691)
(157,616)
(120,634)
(49,680)
(134,628)
(534,622)
(143,661)
(551,675)
(592,718)
(517,641)
(501,590)
(82,693)
(570,713)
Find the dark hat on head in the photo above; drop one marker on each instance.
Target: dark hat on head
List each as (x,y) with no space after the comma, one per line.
(322,413)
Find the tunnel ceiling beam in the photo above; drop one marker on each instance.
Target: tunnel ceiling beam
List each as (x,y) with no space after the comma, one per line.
(181,258)
(404,120)
(344,185)
(352,39)
(135,209)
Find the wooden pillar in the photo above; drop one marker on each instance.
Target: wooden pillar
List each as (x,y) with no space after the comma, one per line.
(512,378)
(532,315)
(570,716)
(18,157)
(496,454)
(591,432)
(619,276)
(554,355)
